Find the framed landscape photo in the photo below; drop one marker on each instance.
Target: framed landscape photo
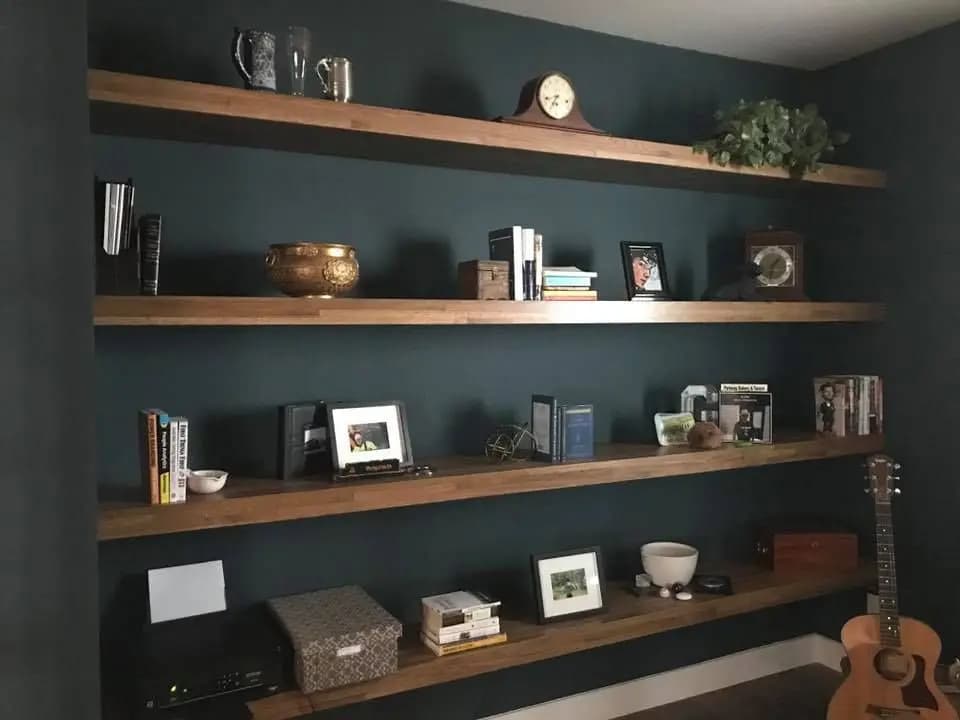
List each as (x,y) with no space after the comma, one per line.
(365,438)
(569,584)
(645,271)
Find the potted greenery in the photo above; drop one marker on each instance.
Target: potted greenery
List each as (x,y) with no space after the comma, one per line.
(767,132)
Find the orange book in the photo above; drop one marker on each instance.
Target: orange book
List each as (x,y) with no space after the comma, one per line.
(148,456)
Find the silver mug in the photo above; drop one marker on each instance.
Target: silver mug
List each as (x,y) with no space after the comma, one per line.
(336,78)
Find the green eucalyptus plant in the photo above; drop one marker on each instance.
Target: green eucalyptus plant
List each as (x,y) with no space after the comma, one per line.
(768,133)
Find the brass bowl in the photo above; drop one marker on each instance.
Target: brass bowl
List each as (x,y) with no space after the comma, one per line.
(313,269)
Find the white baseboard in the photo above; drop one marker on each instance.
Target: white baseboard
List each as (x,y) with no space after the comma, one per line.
(648,692)
(827,652)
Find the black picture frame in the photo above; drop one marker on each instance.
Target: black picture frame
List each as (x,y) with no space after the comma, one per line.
(631,250)
(535,561)
(406,461)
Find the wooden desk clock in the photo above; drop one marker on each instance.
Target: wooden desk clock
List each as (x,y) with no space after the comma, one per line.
(779,253)
(550,101)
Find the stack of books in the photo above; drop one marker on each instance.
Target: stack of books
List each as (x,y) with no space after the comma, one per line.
(849,404)
(459,621)
(522,248)
(568,283)
(561,432)
(164,442)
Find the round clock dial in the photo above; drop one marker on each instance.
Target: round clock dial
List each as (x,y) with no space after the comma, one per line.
(556,96)
(776,266)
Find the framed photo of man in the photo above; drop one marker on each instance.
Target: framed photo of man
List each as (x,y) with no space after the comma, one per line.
(645,271)
(366,438)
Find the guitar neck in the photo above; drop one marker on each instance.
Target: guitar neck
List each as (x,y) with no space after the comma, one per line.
(887,576)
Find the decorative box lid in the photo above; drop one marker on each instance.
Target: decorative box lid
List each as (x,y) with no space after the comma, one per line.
(328,615)
(496,266)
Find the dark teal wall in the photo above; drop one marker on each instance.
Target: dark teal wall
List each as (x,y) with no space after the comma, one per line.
(902,105)
(48,570)
(411,225)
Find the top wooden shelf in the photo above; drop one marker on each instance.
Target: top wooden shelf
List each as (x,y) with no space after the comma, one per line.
(174,109)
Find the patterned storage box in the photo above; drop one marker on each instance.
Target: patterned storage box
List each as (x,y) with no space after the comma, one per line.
(340,636)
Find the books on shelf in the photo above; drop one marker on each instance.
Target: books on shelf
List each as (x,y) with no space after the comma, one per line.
(507,244)
(848,404)
(459,621)
(568,283)
(179,443)
(569,294)
(164,444)
(561,432)
(458,647)
(523,249)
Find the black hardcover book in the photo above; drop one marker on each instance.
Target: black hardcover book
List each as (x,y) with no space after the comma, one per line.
(304,444)
(149,231)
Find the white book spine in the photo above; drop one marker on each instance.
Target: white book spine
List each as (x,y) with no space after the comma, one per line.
(445,637)
(538,266)
(174,457)
(507,245)
(517,262)
(434,623)
(179,444)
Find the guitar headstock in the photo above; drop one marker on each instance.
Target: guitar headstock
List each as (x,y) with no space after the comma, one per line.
(881,475)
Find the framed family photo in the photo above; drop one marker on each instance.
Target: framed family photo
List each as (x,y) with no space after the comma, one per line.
(645,271)
(569,584)
(365,438)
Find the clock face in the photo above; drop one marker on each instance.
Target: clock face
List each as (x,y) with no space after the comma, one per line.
(776,266)
(556,96)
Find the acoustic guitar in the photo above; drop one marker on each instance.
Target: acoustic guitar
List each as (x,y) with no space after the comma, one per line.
(891,658)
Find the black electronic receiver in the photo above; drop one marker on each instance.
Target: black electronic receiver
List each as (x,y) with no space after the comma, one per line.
(185,661)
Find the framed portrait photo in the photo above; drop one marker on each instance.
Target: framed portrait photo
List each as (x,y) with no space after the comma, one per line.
(645,271)
(366,436)
(569,584)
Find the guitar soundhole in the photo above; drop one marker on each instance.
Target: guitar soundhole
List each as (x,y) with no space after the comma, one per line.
(892,665)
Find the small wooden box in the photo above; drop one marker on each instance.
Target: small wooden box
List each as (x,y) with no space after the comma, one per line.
(484,280)
(340,636)
(797,551)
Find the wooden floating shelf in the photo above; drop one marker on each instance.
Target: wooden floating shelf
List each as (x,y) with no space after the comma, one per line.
(249,502)
(174,109)
(628,618)
(199,310)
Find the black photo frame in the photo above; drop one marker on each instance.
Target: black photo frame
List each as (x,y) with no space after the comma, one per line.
(346,465)
(544,614)
(649,255)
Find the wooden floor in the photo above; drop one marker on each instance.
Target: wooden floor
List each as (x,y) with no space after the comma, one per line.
(799,694)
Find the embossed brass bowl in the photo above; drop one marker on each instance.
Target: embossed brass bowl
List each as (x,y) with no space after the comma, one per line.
(313,269)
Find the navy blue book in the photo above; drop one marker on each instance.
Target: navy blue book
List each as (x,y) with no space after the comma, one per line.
(577,432)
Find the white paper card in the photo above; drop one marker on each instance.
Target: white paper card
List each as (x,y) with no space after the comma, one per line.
(186,590)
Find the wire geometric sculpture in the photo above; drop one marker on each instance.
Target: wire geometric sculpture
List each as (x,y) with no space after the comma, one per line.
(509,442)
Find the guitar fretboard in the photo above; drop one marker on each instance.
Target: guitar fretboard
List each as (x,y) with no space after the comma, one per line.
(889,618)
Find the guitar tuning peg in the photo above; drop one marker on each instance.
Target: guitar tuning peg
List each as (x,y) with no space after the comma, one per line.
(896,491)
(866,491)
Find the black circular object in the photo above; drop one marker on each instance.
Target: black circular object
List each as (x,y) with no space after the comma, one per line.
(676,587)
(711,582)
